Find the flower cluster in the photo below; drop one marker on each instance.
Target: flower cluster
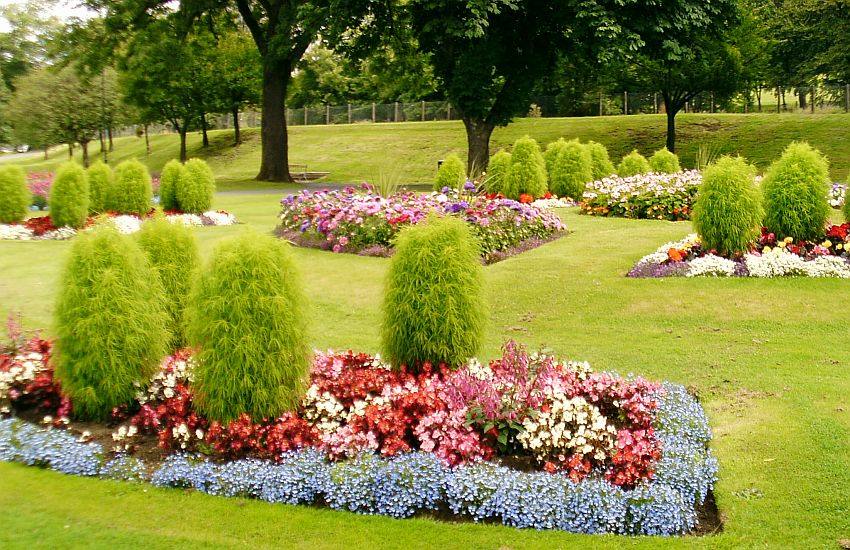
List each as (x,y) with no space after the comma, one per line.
(366,223)
(836,195)
(39,184)
(26,382)
(652,196)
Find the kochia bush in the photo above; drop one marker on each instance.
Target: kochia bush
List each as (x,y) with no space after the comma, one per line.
(101,179)
(497,171)
(15,196)
(110,323)
(572,171)
(551,156)
(601,164)
(633,164)
(727,213)
(170,180)
(452,173)
(131,192)
(795,188)
(69,196)
(664,162)
(433,307)
(247,318)
(195,195)
(527,175)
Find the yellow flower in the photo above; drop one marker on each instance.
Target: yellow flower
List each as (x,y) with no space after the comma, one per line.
(782,244)
(826,244)
(789,240)
(839,246)
(766,250)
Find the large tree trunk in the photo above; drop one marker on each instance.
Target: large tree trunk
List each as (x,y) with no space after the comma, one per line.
(237,137)
(478,134)
(672,108)
(275,147)
(206,138)
(84,145)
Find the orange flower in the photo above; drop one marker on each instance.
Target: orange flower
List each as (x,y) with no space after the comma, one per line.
(675,255)
(525,198)
(548,195)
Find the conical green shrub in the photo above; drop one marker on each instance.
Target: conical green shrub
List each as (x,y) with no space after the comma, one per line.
(528,171)
(795,188)
(633,164)
(172,251)
(433,307)
(247,318)
(497,171)
(727,212)
(664,162)
(170,180)
(131,192)
(15,197)
(195,195)
(110,324)
(69,196)
(551,156)
(573,170)
(452,173)
(101,178)
(601,164)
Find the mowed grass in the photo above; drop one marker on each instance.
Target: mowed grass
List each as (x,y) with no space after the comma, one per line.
(767,357)
(362,152)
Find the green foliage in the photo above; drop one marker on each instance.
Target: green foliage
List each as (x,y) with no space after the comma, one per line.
(572,171)
(15,197)
(728,213)
(101,178)
(434,303)
(452,173)
(601,165)
(170,180)
(196,193)
(795,188)
(110,323)
(551,155)
(131,193)
(247,317)
(497,172)
(69,196)
(528,170)
(172,251)
(664,162)
(633,164)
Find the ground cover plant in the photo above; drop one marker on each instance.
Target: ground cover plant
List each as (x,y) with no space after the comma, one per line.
(653,196)
(363,222)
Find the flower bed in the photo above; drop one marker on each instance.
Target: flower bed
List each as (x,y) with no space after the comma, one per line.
(366,223)
(769,258)
(526,440)
(42,228)
(653,196)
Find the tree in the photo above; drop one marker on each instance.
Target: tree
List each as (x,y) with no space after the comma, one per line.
(236,64)
(26,43)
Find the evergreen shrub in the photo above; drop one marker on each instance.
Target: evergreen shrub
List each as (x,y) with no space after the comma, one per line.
(15,196)
(664,162)
(795,188)
(170,180)
(573,170)
(131,192)
(497,171)
(633,164)
(601,164)
(110,324)
(172,251)
(195,195)
(246,316)
(728,212)
(69,196)
(550,156)
(528,171)
(452,173)
(434,307)
(101,178)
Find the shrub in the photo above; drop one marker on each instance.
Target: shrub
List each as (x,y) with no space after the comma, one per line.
(664,162)
(451,174)
(195,195)
(172,250)
(110,323)
(527,175)
(633,164)
(551,156)
(572,171)
(601,165)
(170,180)
(101,178)
(497,171)
(247,317)
(434,306)
(131,193)
(69,196)
(15,196)
(795,188)
(727,213)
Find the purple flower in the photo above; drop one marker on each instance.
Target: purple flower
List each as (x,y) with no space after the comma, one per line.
(469,186)
(305,225)
(444,189)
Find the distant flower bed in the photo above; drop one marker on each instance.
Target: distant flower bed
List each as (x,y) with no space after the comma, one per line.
(526,440)
(770,257)
(651,196)
(836,196)
(366,223)
(42,228)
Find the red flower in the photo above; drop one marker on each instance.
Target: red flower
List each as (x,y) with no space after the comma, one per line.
(525,198)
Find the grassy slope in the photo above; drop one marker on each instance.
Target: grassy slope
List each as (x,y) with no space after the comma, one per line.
(765,355)
(353,153)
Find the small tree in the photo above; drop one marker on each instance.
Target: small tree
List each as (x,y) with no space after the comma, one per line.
(633,164)
(528,170)
(69,196)
(110,323)
(100,178)
(170,180)
(601,164)
(500,165)
(131,193)
(15,197)
(664,162)
(195,195)
(795,188)
(434,303)
(573,170)
(727,213)
(172,251)
(451,174)
(247,317)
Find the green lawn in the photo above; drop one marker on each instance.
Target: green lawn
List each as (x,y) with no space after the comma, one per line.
(358,152)
(767,357)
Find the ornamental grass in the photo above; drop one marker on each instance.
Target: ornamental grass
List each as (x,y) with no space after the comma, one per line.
(601,164)
(15,197)
(573,169)
(101,177)
(132,192)
(497,171)
(172,177)
(633,164)
(527,175)
(664,162)
(452,173)
(195,195)
(69,196)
